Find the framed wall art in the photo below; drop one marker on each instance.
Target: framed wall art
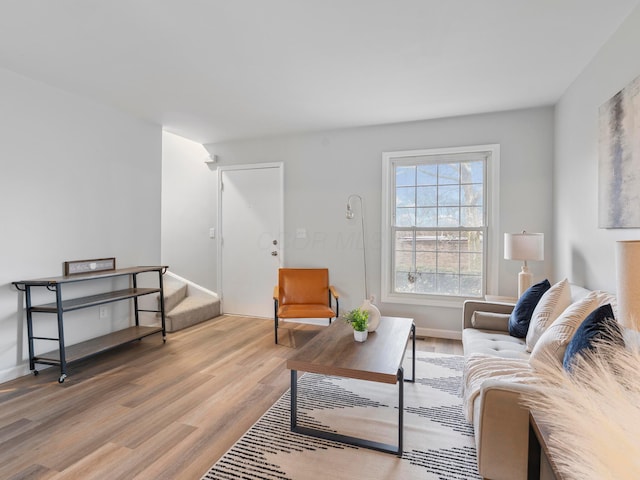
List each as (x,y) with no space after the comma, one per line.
(619,159)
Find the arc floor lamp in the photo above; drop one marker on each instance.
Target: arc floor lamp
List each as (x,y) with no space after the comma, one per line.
(350,214)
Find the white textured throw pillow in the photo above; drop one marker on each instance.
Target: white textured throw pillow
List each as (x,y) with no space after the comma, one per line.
(553,342)
(551,305)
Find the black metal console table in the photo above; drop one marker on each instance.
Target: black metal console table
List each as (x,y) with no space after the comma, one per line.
(538,437)
(66,354)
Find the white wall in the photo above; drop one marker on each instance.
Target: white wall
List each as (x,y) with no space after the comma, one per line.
(78,180)
(585,253)
(188,210)
(322,169)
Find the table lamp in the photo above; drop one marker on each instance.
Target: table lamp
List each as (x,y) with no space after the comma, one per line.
(526,247)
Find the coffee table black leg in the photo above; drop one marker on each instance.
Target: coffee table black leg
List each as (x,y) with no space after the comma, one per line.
(336,437)
(400,409)
(294,399)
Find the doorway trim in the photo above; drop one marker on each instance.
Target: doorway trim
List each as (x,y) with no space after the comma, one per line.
(219,236)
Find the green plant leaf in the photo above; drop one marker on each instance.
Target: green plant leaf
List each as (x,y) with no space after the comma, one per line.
(358,319)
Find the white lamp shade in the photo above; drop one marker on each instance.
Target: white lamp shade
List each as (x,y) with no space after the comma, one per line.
(628,283)
(524,246)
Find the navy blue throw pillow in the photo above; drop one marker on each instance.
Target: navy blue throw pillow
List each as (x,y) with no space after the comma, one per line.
(521,314)
(599,326)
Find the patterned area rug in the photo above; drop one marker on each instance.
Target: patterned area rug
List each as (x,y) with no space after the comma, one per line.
(438,443)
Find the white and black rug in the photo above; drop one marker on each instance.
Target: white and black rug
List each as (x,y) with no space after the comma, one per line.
(438,443)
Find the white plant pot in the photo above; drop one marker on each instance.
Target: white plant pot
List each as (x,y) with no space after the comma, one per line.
(374,314)
(360,336)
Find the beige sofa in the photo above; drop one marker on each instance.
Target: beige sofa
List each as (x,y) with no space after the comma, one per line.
(500,422)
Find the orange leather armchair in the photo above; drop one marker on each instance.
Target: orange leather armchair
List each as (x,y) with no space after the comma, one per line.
(303,293)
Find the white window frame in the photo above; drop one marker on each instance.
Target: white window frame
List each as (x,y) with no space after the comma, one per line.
(492,240)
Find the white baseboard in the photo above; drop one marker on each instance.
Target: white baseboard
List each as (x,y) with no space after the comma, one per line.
(17,372)
(192,285)
(437,333)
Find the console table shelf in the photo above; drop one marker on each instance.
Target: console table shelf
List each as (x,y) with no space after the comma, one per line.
(65,354)
(98,345)
(94,300)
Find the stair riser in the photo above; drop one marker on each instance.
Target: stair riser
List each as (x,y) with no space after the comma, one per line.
(174,298)
(184,319)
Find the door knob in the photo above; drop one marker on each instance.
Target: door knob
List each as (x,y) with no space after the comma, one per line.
(275,242)
(274,253)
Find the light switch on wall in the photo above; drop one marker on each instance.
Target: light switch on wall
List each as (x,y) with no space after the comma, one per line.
(301,233)
(212,233)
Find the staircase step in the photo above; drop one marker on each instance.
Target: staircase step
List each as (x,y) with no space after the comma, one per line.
(174,292)
(192,310)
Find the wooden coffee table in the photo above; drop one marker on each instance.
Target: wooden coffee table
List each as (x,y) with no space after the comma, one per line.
(334,352)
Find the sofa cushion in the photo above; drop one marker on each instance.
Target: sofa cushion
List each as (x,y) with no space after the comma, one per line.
(496,344)
(521,315)
(490,320)
(552,303)
(599,326)
(553,342)
(578,292)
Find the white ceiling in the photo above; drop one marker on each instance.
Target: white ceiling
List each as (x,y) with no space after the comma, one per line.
(214,70)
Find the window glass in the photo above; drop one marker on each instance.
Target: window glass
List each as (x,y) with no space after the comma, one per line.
(439,224)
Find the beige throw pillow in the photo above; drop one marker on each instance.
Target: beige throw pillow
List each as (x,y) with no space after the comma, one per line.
(553,342)
(551,305)
(490,321)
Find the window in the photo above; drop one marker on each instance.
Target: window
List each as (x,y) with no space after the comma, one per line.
(436,224)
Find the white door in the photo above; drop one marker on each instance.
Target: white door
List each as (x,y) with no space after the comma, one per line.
(250,222)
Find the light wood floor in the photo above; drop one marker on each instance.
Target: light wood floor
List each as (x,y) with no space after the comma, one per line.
(150,410)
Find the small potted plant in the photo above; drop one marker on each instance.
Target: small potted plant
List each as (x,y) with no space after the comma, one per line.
(359,321)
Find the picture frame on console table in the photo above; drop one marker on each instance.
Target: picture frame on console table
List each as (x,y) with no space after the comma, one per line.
(77,267)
